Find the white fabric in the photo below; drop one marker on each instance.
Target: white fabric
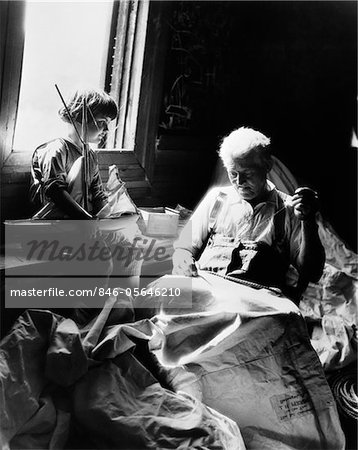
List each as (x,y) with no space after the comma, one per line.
(116,402)
(119,202)
(251,355)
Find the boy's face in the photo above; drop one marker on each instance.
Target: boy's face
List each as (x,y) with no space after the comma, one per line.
(97,130)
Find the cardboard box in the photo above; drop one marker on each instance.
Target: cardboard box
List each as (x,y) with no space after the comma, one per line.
(159,222)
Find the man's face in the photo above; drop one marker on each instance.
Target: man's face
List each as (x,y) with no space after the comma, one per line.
(97,130)
(248,175)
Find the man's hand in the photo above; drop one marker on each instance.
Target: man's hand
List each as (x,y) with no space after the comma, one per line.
(305,203)
(311,257)
(184,264)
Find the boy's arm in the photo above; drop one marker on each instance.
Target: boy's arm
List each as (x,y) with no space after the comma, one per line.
(66,203)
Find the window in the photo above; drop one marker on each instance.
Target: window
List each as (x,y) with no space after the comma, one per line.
(65,43)
(119,45)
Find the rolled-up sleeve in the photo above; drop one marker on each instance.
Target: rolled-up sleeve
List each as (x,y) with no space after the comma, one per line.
(196,232)
(52,164)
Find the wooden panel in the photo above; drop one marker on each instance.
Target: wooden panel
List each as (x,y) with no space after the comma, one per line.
(13,190)
(118,157)
(12,60)
(126,70)
(18,159)
(175,157)
(126,161)
(126,174)
(129,168)
(138,189)
(16,176)
(15,169)
(15,202)
(132,102)
(4,10)
(118,60)
(171,165)
(15,180)
(152,83)
(138,68)
(105,157)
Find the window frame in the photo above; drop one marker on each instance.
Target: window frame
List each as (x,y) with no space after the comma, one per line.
(12,14)
(126,70)
(145,27)
(139,79)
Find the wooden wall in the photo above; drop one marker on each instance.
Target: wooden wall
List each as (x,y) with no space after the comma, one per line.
(15,170)
(15,181)
(288,69)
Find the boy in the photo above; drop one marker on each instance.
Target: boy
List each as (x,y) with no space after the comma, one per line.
(57,165)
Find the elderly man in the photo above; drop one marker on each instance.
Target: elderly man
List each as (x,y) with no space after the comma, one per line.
(246,349)
(250,229)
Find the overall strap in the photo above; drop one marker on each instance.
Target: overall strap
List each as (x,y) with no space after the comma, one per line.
(214,213)
(279,220)
(219,202)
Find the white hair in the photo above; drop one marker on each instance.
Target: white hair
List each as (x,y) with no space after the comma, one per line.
(242,142)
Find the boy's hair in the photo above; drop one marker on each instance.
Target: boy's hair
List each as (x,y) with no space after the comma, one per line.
(98,102)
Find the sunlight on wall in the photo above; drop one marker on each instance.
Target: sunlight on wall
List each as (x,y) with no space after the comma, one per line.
(66,44)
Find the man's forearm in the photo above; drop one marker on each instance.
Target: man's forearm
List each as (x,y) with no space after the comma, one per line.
(311,258)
